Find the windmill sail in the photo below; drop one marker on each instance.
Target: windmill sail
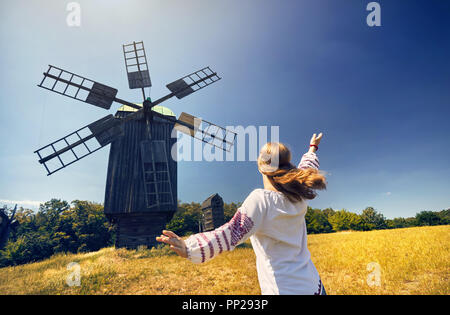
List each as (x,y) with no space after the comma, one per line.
(193,82)
(79,144)
(136,65)
(205,131)
(77,87)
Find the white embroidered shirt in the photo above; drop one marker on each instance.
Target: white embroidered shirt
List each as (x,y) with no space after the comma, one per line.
(277,230)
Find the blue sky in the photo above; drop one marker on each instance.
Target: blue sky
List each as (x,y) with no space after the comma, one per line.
(380,95)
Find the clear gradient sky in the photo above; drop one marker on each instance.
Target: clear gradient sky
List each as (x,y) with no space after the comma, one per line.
(380,95)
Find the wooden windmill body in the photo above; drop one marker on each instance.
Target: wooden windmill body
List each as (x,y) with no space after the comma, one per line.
(141,185)
(137,215)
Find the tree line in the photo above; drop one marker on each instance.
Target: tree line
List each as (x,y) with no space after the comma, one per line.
(329,220)
(81,226)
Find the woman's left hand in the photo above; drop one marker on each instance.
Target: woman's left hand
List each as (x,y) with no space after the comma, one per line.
(314,142)
(175,242)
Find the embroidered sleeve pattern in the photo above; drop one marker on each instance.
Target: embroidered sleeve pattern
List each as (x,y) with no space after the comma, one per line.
(309,160)
(319,289)
(240,225)
(205,246)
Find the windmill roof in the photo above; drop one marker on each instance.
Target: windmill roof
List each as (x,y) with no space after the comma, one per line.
(158,108)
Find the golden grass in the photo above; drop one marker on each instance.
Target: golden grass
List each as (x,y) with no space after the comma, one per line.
(412,261)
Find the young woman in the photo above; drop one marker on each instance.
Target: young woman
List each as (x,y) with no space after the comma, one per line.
(274,220)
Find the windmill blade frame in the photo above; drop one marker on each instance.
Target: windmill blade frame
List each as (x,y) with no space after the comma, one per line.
(77,87)
(211,134)
(136,66)
(79,143)
(193,82)
(80,88)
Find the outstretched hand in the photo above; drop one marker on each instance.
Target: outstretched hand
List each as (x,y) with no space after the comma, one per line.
(315,140)
(175,242)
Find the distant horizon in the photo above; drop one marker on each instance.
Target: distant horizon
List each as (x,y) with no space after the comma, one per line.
(12,203)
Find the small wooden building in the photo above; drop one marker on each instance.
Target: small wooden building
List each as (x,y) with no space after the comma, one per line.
(212,213)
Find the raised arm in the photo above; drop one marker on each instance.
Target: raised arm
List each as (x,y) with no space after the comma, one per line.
(310,159)
(202,247)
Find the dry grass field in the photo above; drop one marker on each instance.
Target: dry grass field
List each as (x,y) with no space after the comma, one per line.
(409,261)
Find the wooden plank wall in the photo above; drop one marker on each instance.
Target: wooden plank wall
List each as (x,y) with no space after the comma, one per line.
(136,230)
(124,191)
(213,218)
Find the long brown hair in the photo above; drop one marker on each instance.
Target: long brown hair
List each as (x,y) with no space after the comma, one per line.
(274,161)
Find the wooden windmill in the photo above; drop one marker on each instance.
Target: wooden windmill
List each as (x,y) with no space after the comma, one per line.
(7,223)
(141,185)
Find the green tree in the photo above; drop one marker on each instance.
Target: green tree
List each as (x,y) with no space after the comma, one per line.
(49,214)
(229,209)
(371,220)
(345,220)
(26,248)
(186,220)
(90,226)
(396,223)
(427,218)
(444,216)
(57,227)
(317,221)
(328,212)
